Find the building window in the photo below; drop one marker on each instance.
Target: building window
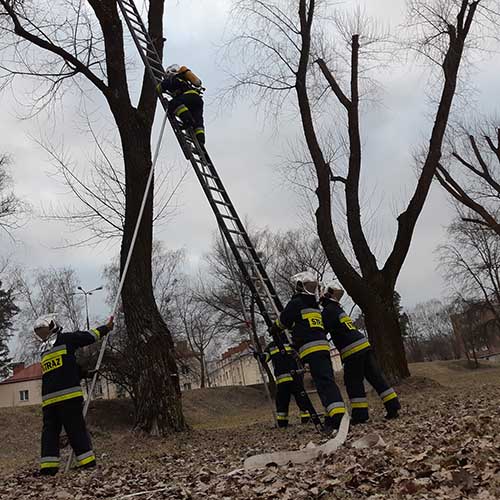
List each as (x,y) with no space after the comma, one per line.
(98,388)
(24,395)
(184,370)
(187,387)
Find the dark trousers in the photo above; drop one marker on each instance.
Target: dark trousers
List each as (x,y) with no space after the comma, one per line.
(67,414)
(320,366)
(363,365)
(284,392)
(189,108)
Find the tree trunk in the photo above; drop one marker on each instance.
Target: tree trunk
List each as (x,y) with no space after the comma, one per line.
(159,408)
(202,371)
(384,332)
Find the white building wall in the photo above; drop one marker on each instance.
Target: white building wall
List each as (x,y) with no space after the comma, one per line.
(10,394)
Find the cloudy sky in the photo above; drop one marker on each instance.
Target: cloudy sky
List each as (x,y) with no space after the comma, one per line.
(246,147)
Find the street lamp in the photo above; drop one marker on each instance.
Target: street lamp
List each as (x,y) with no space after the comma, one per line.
(86,294)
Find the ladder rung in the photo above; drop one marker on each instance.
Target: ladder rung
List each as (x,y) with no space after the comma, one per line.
(138,22)
(229,217)
(216,189)
(234,231)
(219,202)
(130,10)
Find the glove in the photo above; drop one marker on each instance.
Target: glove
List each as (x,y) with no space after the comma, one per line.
(259,356)
(159,88)
(274,329)
(111,323)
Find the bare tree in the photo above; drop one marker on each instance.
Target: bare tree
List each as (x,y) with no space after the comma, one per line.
(283,53)
(475,326)
(470,263)
(10,205)
(43,291)
(200,328)
(84,50)
(99,211)
(119,360)
(430,334)
(471,175)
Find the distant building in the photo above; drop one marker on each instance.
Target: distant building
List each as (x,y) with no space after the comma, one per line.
(188,366)
(24,387)
(237,366)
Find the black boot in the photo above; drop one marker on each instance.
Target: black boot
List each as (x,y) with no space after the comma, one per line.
(392,406)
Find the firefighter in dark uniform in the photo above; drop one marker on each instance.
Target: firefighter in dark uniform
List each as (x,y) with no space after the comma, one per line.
(187,104)
(303,317)
(62,396)
(285,387)
(357,357)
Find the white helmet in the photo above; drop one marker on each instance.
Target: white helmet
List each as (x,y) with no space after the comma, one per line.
(172,69)
(47,321)
(333,291)
(305,282)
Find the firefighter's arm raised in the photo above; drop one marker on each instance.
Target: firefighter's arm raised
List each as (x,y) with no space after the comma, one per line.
(81,339)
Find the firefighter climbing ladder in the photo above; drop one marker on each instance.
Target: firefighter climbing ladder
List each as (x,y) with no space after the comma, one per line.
(237,238)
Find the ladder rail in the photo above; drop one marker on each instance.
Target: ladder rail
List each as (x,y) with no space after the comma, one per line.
(206,173)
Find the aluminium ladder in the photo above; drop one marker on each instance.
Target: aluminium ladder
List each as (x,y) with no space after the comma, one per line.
(230,224)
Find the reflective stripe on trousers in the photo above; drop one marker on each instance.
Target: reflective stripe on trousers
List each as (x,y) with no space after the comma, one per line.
(359,403)
(357,346)
(62,395)
(388,395)
(335,408)
(85,458)
(49,462)
(310,347)
(285,377)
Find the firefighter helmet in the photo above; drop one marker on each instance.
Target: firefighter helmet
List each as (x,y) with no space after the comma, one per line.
(172,69)
(305,282)
(45,326)
(333,291)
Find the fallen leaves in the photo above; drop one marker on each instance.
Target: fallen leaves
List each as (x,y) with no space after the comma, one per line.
(446,445)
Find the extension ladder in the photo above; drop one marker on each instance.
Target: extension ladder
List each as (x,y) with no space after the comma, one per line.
(230,224)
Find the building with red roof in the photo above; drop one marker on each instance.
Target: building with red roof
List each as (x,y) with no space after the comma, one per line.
(23,388)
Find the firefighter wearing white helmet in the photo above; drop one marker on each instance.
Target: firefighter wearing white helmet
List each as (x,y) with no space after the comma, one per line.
(62,396)
(186,89)
(357,357)
(303,317)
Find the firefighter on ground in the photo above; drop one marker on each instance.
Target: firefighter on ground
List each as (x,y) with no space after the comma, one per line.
(62,396)
(186,103)
(303,317)
(285,385)
(357,357)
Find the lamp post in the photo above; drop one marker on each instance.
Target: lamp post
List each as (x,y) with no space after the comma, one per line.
(86,294)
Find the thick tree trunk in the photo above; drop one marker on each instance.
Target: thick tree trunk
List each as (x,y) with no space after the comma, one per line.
(202,371)
(384,332)
(159,408)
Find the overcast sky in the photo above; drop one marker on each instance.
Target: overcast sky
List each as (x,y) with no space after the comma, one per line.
(246,148)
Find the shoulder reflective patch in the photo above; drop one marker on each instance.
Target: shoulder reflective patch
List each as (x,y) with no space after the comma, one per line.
(313,317)
(347,321)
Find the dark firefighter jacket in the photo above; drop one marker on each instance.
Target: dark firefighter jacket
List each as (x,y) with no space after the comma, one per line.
(282,363)
(61,373)
(303,317)
(347,339)
(183,82)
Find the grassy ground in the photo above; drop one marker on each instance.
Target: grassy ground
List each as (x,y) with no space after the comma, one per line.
(445,445)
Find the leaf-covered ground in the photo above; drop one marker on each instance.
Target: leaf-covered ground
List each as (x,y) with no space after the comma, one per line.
(446,445)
